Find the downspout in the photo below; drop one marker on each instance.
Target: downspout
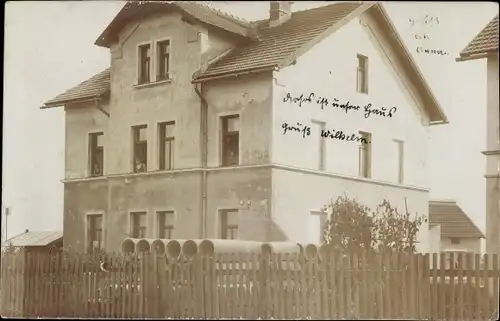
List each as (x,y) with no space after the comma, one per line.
(203,152)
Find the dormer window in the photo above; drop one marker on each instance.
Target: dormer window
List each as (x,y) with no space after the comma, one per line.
(163,60)
(144,64)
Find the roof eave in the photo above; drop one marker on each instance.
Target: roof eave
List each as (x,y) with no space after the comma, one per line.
(216,76)
(61,103)
(104,40)
(476,55)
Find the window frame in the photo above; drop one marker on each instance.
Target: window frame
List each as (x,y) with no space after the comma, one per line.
(157,57)
(91,136)
(89,242)
(401,165)
(132,215)
(321,166)
(170,228)
(223,123)
(163,140)
(366,151)
(135,131)
(139,63)
(223,229)
(363,71)
(323,223)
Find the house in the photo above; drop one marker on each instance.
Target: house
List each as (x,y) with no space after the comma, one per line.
(485,46)
(457,233)
(195,130)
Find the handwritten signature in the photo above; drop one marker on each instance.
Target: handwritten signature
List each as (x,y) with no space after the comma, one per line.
(432,51)
(332,134)
(427,20)
(347,106)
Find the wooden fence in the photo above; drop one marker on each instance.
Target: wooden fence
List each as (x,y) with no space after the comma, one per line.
(250,286)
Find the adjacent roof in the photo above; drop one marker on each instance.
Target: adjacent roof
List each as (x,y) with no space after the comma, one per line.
(134,10)
(36,238)
(278,43)
(95,87)
(265,48)
(485,42)
(454,222)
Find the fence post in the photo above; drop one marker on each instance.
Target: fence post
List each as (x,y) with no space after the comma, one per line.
(486,292)
(496,289)
(263,276)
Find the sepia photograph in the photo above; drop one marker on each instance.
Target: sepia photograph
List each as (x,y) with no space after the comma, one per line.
(277,160)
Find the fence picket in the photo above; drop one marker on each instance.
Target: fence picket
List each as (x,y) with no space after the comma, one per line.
(477,279)
(451,289)
(443,295)
(496,289)
(486,293)
(460,285)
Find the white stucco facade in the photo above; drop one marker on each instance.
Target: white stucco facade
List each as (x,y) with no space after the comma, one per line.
(329,70)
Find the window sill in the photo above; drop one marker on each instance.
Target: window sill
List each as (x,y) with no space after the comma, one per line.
(152,84)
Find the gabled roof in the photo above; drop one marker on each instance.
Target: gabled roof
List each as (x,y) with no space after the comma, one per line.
(269,48)
(32,238)
(134,10)
(454,222)
(485,43)
(278,43)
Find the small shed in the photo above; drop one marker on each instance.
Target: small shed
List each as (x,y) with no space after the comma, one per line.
(22,256)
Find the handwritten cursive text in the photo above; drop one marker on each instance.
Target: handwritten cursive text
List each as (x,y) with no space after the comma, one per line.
(299,128)
(305,131)
(336,103)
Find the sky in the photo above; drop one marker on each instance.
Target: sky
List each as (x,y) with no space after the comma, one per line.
(50,48)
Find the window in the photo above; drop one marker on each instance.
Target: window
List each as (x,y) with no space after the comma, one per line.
(365,155)
(144,64)
(455,240)
(96,151)
(163,58)
(230,140)
(362,75)
(138,225)
(94,232)
(318,225)
(321,145)
(140,148)
(400,160)
(229,224)
(323,219)
(452,256)
(166,141)
(165,221)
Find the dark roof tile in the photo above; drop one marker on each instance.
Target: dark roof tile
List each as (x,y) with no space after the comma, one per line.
(485,41)
(94,87)
(277,43)
(454,222)
(201,12)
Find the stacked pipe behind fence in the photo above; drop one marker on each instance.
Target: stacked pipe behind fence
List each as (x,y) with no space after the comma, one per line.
(144,245)
(281,247)
(159,246)
(129,245)
(174,248)
(211,246)
(311,251)
(190,248)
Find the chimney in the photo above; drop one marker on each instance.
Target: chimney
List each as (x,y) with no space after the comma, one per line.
(279,12)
